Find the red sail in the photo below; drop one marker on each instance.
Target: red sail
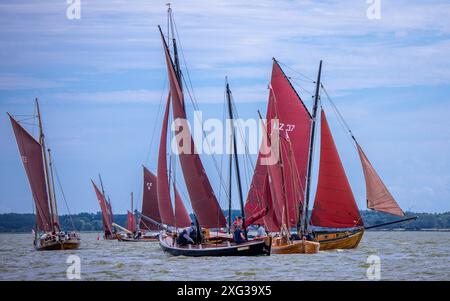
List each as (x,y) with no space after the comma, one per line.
(334,205)
(163,190)
(203,200)
(31,153)
(105,209)
(182,218)
(294,122)
(131,222)
(150,206)
(378,196)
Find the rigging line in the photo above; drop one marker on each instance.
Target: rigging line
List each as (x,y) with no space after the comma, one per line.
(248,162)
(302,88)
(299,79)
(192,96)
(242,136)
(204,137)
(156,121)
(341,119)
(63,195)
(299,73)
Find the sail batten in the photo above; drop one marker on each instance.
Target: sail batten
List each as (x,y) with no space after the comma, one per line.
(150,205)
(334,205)
(202,197)
(377,195)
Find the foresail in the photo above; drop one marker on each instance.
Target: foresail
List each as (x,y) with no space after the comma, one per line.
(334,205)
(150,206)
(31,155)
(163,189)
(182,218)
(378,196)
(202,197)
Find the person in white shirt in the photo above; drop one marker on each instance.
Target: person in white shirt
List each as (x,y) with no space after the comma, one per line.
(260,232)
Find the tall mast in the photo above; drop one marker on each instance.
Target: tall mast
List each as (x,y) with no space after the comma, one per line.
(236,160)
(174,43)
(131,201)
(304,227)
(101,185)
(53,185)
(44,154)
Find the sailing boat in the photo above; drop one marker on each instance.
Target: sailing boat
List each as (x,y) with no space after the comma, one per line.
(204,203)
(39,169)
(279,186)
(335,209)
(107,215)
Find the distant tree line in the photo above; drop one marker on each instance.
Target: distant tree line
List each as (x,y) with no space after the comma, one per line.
(14,222)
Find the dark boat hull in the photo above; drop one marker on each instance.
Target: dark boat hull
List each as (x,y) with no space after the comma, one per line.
(251,248)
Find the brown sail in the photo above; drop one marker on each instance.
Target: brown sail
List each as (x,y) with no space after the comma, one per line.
(202,197)
(182,218)
(294,122)
(105,207)
(150,206)
(31,153)
(378,196)
(334,205)
(163,189)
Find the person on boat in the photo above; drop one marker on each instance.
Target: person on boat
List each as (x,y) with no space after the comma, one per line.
(260,232)
(184,239)
(238,235)
(238,222)
(192,232)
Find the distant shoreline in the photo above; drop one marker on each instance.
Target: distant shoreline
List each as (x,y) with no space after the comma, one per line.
(92,222)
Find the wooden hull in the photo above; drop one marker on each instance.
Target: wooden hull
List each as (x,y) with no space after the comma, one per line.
(251,248)
(339,239)
(295,247)
(59,245)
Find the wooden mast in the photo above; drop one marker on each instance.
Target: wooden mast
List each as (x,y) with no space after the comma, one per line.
(302,228)
(101,185)
(44,154)
(53,184)
(132,202)
(236,160)
(230,182)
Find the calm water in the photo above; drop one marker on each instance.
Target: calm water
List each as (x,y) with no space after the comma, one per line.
(404,256)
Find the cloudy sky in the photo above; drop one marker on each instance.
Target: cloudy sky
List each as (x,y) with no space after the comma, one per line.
(101,80)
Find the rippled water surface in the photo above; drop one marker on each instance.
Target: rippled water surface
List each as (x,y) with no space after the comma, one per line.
(404,256)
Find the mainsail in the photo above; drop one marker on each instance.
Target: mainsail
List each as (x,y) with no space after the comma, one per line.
(150,206)
(334,205)
(378,196)
(104,206)
(31,153)
(203,200)
(294,122)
